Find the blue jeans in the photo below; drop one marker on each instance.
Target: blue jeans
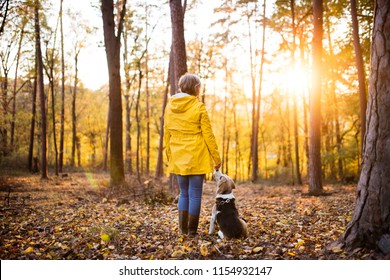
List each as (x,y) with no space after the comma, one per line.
(190,198)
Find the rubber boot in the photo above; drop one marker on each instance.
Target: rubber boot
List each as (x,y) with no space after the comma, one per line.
(183,221)
(193,222)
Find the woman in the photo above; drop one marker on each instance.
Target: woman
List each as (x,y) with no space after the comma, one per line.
(190,147)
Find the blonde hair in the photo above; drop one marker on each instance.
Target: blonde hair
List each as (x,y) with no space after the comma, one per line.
(189,83)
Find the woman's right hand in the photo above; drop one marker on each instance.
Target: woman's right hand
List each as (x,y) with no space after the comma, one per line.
(216,167)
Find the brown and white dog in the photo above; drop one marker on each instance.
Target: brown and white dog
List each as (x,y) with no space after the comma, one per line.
(224,210)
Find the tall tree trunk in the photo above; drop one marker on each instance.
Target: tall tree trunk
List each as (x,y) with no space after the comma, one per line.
(315,175)
(15,84)
(178,57)
(254,135)
(112,45)
(295,105)
(147,94)
(304,108)
(224,124)
(340,170)
(50,75)
(74,115)
(262,133)
(360,70)
(32,122)
(62,128)
(128,105)
(4,130)
(106,141)
(178,41)
(78,146)
(261,74)
(334,107)
(54,123)
(41,93)
(138,120)
(236,139)
(159,167)
(370,223)
(172,74)
(290,163)
(128,160)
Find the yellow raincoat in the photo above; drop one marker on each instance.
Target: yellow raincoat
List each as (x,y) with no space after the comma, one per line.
(189,140)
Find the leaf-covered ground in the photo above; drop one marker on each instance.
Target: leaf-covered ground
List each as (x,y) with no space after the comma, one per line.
(75,217)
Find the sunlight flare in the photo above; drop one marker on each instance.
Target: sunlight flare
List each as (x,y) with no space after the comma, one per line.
(297,79)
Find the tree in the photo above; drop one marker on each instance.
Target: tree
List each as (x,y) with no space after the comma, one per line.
(74,115)
(256,103)
(159,166)
(41,89)
(32,122)
(112,45)
(128,83)
(360,69)
(15,91)
(295,105)
(178,57)
(62,128)
(178,41)
(49,68)
(370,223)
(315,176)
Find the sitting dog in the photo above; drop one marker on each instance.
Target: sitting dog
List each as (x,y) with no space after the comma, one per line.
(224,210)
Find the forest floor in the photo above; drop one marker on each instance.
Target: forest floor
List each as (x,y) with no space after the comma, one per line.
(75,217)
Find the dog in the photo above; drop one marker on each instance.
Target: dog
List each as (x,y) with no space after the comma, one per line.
(224,211)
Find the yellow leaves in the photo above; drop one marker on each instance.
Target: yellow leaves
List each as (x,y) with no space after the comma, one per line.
(299,243)
(177,254)
(337,248)
(29,250)
(283,221)
(203,250)
(307,212)
(291,254)
(108,233)
(57,228)
(257,250)
(105,237)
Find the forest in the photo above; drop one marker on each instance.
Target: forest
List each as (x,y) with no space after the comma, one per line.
(297,94)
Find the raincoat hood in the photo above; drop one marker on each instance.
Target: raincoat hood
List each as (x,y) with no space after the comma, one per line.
(181,102)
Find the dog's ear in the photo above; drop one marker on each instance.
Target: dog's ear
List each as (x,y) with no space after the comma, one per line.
(222,180)
(222,183)
(233,185)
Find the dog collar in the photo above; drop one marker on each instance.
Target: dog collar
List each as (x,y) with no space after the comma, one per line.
(221,201)
(225,196)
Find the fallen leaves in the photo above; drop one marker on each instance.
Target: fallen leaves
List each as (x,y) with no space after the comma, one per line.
(28,250)
(204,251)
(71,219)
